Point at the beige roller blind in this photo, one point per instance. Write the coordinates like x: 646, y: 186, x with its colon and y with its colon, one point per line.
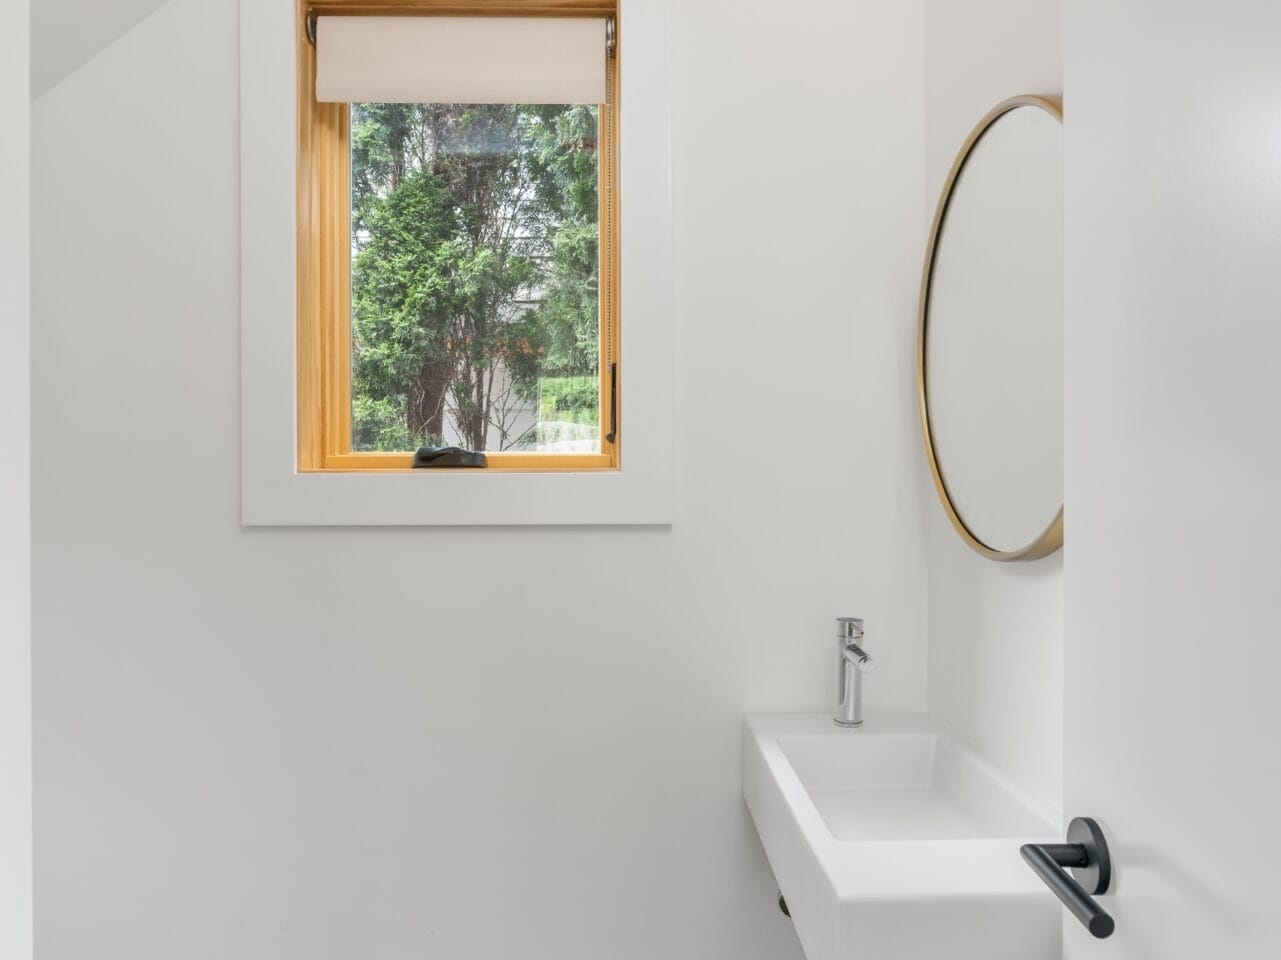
x: 460, y: 59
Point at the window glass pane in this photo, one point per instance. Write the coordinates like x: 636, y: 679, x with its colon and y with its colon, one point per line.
x: 475, y: 272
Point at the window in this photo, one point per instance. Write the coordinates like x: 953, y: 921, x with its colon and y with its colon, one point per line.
x: 282, y: 484
x: 457, y: 235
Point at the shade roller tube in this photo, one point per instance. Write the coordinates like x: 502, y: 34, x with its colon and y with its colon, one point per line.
x: 429, y: 59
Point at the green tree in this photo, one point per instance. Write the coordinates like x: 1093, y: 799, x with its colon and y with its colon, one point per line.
x: 405, y: 295
x: 475, y: 252
x: 565, y: 163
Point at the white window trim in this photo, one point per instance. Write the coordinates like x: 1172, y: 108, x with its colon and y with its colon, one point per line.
x: 274, y: 493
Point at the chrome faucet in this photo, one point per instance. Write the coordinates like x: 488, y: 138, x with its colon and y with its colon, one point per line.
x: 852, y: 662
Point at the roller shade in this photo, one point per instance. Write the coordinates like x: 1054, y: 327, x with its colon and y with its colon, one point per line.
x: 460, y: 59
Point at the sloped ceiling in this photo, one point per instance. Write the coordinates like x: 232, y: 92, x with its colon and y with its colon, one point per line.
x: 66, y: 34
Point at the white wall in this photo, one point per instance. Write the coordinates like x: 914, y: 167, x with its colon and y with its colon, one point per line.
x: 66, y: 33
x: 15, y: 490
x: 995, y: 630
x: 1173, y: 237
x: 337, y: 743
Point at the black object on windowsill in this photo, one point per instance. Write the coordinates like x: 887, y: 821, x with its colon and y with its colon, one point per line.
x: 438, y: 457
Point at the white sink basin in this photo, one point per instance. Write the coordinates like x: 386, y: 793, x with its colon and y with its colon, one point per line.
x: 894, y: 841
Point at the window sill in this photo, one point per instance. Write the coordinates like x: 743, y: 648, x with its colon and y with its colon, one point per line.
x: 378, y: 462
x: 382, y: 463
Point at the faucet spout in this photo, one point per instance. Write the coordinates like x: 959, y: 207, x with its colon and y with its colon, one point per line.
x: 859, y: 657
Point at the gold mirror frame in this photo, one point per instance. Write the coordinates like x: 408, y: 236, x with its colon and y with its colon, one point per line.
x: 1051, y: 538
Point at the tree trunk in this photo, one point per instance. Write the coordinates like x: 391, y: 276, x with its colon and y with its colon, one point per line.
x: 425, y: 409
x: 480, y: 418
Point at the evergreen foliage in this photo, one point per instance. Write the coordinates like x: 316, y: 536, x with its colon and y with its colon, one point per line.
x: 475, y: 253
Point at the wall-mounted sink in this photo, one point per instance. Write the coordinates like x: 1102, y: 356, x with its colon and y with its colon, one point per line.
x: 894, y: 841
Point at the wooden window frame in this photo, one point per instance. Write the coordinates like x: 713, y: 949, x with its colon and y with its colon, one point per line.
x: 324, y: 255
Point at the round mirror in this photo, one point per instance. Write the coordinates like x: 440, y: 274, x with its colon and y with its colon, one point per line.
x: 990, y: 351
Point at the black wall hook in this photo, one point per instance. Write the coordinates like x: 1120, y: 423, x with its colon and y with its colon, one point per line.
x: 1086, y: 855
